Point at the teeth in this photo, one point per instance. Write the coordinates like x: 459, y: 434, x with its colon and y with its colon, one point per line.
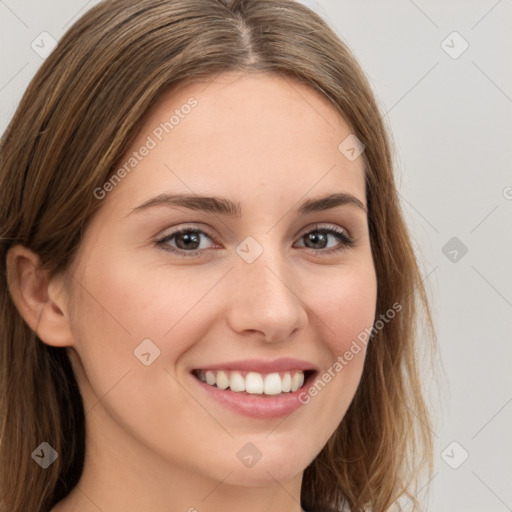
x: 272, y: 384
x: 297, y: 381
x: 254, y: 383
x: 236, y: 382
x: 286, y: 384
x: 222, y: 380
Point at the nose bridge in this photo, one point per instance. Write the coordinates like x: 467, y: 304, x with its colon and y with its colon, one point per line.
x: 266, y: 299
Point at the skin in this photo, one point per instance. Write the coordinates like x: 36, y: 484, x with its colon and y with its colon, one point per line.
x: 154, y: 439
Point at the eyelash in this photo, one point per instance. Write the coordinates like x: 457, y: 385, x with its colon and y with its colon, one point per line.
x: 346, y: 241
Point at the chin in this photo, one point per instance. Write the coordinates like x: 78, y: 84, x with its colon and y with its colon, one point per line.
x: 263, y: 475
x: 275, y: 464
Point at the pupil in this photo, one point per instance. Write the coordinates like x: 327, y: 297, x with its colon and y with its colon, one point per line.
x: 190, y: 239
x: 317, y: 239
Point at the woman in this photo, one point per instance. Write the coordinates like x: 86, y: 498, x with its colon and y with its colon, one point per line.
x: 209, y: 295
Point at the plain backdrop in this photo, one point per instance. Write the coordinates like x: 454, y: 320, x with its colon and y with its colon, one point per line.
x: 441, y: 73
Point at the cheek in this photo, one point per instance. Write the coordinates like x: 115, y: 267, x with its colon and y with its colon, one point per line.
x: 345, y: 317
x: 130, y: 303
x: 121, y: 305
x: 347, y: 306
x: 117, y: 309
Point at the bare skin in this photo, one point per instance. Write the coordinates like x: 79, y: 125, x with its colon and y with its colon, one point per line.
x: 155, y: 440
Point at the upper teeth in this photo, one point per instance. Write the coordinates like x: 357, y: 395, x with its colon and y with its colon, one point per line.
x: 253, y: 382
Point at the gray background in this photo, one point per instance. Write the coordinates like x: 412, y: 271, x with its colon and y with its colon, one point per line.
x: 450, y: 119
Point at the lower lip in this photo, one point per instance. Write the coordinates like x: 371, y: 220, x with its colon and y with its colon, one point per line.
x: 256, y: 406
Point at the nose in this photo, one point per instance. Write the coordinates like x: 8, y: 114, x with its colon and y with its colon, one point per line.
x: 265, y: 299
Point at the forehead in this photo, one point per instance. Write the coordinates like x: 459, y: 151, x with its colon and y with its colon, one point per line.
x: 244, y: 135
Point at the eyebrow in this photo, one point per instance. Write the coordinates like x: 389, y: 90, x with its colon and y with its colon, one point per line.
x: 223, y: 206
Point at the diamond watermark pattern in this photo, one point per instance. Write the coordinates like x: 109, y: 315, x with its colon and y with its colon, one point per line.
x: 45, y: 455
x: 249, y: 250
x: 249, y: 455
x: 454, y: 45
x: 454, y: 249
x: 43, y: 44
x: 454, y: 455
x: 146, y: 352
x: 351, y: 147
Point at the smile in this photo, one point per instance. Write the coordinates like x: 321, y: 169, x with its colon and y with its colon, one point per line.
x: 251, y: 382
x: 256, y: 388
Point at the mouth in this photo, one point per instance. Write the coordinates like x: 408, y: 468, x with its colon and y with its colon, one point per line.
x: 255, y: 383
x: 256, y: 388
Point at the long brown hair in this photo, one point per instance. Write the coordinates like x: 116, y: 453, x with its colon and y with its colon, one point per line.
x: 77, y: 118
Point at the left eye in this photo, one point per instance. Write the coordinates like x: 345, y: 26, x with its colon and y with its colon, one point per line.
x: 319, y: 238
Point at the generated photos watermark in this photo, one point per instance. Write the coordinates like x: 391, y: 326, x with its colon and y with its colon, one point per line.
x: 157, y: 135
x: 344, y: 359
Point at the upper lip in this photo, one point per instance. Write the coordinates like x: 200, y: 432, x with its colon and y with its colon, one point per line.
x: 262, y: 366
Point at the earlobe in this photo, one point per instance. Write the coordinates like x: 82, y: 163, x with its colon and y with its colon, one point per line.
x: 39, y: 299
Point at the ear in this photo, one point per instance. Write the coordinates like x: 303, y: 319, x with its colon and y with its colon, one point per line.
x: 41, y: 301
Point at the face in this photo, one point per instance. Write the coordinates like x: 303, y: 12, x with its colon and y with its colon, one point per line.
x: 257, y: 289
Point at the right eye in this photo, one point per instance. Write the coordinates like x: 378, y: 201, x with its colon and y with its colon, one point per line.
x: 186, y: 242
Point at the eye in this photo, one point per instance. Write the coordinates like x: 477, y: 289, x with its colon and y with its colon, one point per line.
x: 186, y: 241
x: 318, y: 240
x: 190, y: 241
